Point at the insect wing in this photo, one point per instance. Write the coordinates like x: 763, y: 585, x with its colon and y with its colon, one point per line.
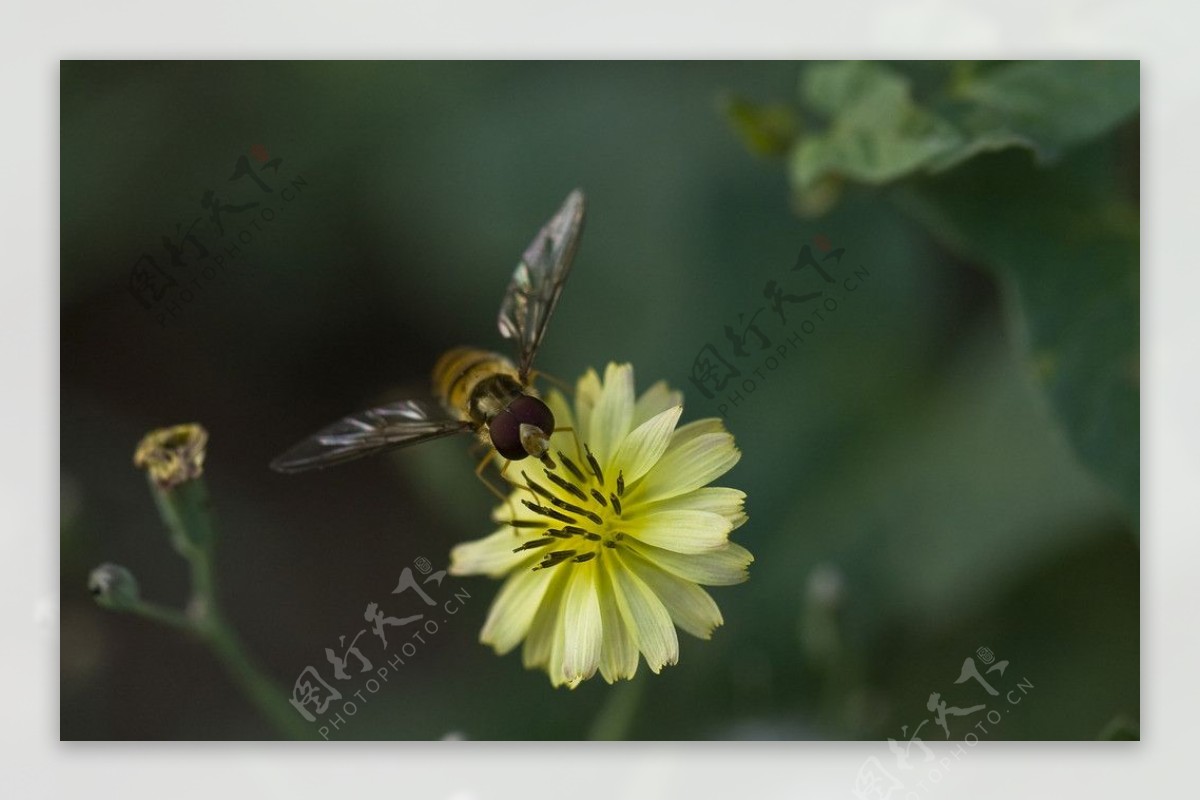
x: 372, y: 431
x: 538, y: 280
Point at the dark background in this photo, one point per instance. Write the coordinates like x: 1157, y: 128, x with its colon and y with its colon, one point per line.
x: 906, y: 453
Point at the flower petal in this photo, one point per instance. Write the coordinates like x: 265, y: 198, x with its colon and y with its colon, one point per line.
x: 687, y: 433
x: 716, y: 568
x: 581, y: 623
x: 729, y: 503
x: 645, y: 445
x: 619, y: 655
x: 563, y: 418
x: 587, y: 395
x: 544, y: 626
x: 692, y: 609
x: 687, y: 467
x: 682, y: 531
x: 654, y: 401
x: 515, y: 606
x: 493, y: 555
x: 613, y: 412
x: 513, y: 509
x: 558, y: 641
x: 645, y: 615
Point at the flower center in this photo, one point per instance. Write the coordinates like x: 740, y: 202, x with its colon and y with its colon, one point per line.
x: 582, y: 513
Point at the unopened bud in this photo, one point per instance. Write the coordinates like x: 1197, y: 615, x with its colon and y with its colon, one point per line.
x: 113, y: 587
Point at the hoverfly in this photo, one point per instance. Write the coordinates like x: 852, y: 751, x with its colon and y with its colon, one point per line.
x: 478, y: 391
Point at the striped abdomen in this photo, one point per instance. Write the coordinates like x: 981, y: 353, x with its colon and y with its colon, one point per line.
x: 475, y: 384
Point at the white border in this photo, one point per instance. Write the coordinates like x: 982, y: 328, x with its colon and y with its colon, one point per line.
x: 33, y: 36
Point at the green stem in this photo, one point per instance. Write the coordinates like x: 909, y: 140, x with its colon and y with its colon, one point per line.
x: 161, y: 614
x: 186, y: 512
x: 265, y: 694
x: 616, y: 716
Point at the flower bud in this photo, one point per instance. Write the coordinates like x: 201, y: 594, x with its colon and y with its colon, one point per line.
x: 113, y: 587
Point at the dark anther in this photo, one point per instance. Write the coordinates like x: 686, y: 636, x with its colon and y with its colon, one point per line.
x: 523, y: 523
x: 583, y: 557
x: 567, y: 485
x: 570, y: 507
x: 536, y: 487
x: 553, y: 558
x: 538, y: 543
x: 609, y: 544
x: 542, y: 510
x: 574, y: 530
x: 594, y: 465
x: 579, y: 476
x: 593, y: 537
x: 620, y: 482
x: 596, y: 494
x: 616, y: 503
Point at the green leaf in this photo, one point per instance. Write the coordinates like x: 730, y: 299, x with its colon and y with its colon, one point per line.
x: 1067, y: 245
x: 1045, y: 106
x: 877, y: 132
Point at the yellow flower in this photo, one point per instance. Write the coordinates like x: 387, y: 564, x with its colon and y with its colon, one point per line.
x: 608, y: 549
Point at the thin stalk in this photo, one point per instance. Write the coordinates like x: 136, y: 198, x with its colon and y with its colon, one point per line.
x: 186, y: 513
x: 616, y: 717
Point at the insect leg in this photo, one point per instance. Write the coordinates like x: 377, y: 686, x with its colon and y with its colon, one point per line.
x: 558, y: 382
x: 492, y: 454
x: 532, y: 495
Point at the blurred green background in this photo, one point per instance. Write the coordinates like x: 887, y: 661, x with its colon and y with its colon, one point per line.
x: 949, y: 462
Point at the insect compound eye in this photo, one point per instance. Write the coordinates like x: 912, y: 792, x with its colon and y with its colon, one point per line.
x: 523, y: 413
x: 505, y: 430
x: 531, y: 411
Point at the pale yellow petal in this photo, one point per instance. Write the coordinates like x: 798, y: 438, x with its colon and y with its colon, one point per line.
x: 613, y: 412
x: 687, y: 433
x: 654, y: 401
x: 719, y: 567
x: 692, y: 609
x: 492, y: 556
x: 581, y: 623
x: 513, y: 509
x: 544, y: 626
x: 558, y: 644
x: 562, y: 440
x: 515, y: 606
x: 729, y: 503
x: 682, y: 531
x: 587, y: 394
x: 645, y: 445
x: 619, y: 657
x: 646, y: 617
x: 687, y: 467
